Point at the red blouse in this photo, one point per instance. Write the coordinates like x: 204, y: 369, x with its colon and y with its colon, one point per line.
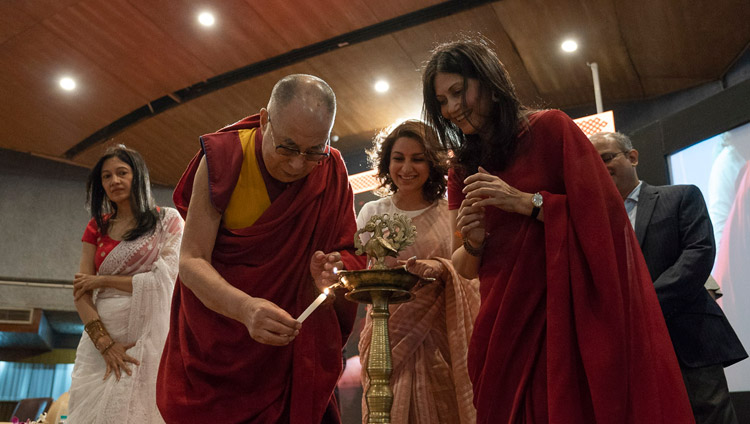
x: 104, y: 244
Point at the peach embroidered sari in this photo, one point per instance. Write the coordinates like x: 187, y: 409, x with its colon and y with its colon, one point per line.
x: 430, y: 334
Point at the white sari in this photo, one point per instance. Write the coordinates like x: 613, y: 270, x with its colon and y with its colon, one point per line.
x: 141, y: 318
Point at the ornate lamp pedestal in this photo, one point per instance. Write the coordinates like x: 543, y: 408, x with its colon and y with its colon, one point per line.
x: 379, y: 287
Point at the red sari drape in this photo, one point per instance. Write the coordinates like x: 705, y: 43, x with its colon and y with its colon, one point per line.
x: 212, y: 370
x: 569, y: 329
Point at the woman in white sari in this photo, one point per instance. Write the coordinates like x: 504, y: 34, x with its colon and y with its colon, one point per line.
x: 123, y: 292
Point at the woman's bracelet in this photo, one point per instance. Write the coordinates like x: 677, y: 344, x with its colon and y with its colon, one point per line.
x: 111, y: 343
x: 474, y: 251
x: 95, y: 329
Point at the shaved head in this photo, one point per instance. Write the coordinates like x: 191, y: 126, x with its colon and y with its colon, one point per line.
x: 299, y: 117
x: 309, y: 92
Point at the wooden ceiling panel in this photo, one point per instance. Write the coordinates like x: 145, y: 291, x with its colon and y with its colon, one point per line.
x: 301, y: 22
x: 419, y: 41
x: 42, y: 9
x: 352, y: 72
x: 169, y: 140
x: 168, y: 155
x: 13, y: 21
x: 29, y: 126
x: 210, y: 113
x: 162, y: 147
x: 240, y: 36
x: 389, y: 9
x: 119, y: 39
x: 564, y: 79
x: 683, y: 39
x: 127, y: 53
x: 31, y: 67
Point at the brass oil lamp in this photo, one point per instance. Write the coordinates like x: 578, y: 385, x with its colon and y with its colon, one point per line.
x: 381, y: 287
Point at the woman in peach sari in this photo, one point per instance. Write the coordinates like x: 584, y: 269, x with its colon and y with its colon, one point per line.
x: 429, y: 335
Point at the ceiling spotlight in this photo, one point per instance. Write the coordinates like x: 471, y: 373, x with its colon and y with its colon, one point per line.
x: 67, y: 83
x: 382, y: 86
x: 569, y: 46
x: 206, y: 19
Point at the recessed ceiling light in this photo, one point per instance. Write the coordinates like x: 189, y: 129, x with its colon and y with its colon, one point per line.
x: 67, y: 83
x: 569, y: 46
x: 382, y: 86
x: 206, y: 19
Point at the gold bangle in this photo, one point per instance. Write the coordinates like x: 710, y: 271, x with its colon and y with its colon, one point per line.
x: 95, y: 329
x: 111, y: 343
x: 94, y: 326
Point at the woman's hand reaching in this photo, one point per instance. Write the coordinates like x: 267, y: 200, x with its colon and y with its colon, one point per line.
x: 424, y: 268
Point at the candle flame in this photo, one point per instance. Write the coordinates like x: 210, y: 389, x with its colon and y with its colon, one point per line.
x: 335, y: 270
x: 325, y: 291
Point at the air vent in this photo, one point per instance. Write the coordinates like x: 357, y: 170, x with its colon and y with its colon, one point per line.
x: 16, y: 316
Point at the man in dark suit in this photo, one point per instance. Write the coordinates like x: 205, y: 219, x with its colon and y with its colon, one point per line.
x: 676, y: 237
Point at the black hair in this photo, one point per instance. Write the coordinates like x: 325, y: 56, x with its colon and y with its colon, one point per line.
x: 141, y: 203
x: 472, y: 58
x: 437, y: 159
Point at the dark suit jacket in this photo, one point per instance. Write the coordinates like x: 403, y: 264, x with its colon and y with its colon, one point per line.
x: 676, y: 236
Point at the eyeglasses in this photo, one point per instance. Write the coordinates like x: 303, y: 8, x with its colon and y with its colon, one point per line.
x: 310, y: 155
x: 607, y: 157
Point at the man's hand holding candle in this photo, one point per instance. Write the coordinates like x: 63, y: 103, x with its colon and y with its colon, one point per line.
x: 269, y: 324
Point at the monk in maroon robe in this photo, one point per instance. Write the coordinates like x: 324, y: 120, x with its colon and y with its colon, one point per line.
x: 269, y: 214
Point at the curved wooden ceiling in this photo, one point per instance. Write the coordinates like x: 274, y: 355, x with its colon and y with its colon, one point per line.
x: 130, y: 55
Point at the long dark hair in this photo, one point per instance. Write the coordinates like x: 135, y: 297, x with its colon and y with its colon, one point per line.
x: 141, y: 203
x: 472, y: 58
x: 380, y: 157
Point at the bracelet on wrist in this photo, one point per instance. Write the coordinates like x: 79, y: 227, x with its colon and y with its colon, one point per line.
x: 109, y: 346
x: 95, y: 329
x: 473, y: 251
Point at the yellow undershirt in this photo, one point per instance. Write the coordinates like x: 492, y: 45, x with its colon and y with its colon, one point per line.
x: 250, y: 198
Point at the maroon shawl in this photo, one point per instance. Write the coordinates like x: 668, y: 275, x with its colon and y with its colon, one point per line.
x: 211, y: 369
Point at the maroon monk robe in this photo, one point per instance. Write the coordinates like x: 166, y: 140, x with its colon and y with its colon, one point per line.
x: 569, y: 329
x: 211, y: 369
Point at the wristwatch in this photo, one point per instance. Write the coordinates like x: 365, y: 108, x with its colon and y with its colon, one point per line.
x: 536, y: 201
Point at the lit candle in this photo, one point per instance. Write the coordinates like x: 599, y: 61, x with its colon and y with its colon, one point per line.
x: 318, y: 300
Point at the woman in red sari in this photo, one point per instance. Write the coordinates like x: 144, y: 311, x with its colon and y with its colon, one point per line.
x: 569, y: 328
